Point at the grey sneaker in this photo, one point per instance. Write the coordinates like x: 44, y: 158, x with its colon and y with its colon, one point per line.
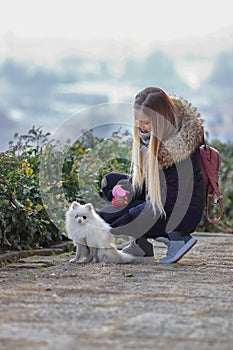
x: 136, y: 250
x: 162, y: 240
x: 176, y: 250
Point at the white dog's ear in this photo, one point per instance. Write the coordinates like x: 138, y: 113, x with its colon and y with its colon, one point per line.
x: 74, y: 205
x: 89, y: 206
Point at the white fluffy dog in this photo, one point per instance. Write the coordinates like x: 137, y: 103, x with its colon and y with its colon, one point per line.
x: 92, y: 237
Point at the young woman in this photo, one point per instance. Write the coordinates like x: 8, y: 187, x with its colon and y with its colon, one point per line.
x: 166, y: 188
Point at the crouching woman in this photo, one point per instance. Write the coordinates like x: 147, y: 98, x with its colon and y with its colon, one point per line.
x: 166, y: 187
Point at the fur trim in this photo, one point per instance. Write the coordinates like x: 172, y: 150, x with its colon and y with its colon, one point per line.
x: 188, y: 136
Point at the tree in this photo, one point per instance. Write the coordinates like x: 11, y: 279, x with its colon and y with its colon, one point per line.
x: 222, y: 74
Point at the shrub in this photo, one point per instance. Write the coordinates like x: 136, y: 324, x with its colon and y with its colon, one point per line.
x: 24, y: 222
x: 25, y: 215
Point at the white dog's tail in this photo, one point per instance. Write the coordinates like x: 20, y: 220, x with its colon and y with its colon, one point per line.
x: 128, y: 258
x: 115, y: 256
x: 125, y: 257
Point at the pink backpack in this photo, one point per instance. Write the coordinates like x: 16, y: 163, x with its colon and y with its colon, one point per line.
x: 210, y: 165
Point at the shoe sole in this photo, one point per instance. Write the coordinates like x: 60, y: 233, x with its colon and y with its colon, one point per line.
x: 184, y: 250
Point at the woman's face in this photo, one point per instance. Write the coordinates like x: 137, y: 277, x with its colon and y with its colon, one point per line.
x: 142, y: 121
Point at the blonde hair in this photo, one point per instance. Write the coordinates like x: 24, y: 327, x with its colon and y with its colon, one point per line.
x: 155, y: 103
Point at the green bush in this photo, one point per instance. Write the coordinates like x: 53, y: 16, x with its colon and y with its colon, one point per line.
x: 26, y: 200
x: 24, y: 223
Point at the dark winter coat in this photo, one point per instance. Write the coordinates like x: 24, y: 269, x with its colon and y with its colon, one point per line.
x: 183, y: 192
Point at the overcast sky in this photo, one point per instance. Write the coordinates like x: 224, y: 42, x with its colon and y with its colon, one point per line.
x: 45, y: 30
x: 142, y: 21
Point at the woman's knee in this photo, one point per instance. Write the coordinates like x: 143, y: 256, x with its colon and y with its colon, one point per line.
x: 109, y: 181
x: 104, y: 182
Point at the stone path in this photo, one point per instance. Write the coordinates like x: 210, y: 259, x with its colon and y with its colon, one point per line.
x: 47, y: 303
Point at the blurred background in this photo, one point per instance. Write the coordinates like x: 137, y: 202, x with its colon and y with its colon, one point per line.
x: 60, y: 57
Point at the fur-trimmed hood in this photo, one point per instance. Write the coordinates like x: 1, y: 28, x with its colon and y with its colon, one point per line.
x: 187, y: 137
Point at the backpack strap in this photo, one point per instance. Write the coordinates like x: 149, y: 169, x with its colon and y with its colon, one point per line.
x: 217, y: 198
x: 219, y: 201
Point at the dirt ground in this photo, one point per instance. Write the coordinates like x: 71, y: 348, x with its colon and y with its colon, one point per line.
x: 47, y: 303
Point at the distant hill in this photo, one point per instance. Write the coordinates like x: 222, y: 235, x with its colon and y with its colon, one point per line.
x: 44, y: 94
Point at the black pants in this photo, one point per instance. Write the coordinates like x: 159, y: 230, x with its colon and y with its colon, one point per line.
x: 137, y: 218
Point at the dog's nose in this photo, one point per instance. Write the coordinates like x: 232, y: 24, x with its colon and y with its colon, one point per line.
x: 79, y: 221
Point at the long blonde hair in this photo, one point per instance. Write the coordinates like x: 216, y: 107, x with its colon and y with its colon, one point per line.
x: 155, y: 103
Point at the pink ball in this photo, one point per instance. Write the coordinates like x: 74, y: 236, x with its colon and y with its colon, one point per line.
x: 118, y: 191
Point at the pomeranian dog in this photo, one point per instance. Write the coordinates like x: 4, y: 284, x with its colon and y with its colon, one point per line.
x: 92, y: 237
